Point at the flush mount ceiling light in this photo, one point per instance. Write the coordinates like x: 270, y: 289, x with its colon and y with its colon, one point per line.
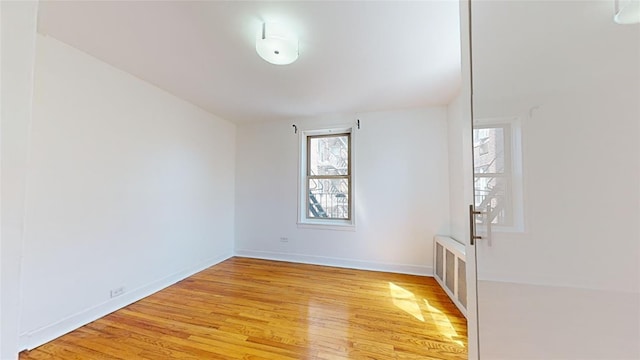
x: 627, y: 12
x: 276, y: 44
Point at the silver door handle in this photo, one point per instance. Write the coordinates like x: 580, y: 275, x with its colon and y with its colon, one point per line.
x: 472, y: 225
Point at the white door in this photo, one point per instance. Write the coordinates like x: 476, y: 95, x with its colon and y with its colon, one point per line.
x: 556, y: 115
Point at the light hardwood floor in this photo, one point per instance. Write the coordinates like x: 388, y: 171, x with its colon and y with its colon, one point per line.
x: 257, y: 309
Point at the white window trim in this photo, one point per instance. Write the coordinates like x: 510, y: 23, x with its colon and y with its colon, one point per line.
x: 517, y: 188
x: 334, y: 224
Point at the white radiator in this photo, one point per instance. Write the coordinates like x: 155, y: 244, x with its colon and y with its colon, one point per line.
x: 451, y: 270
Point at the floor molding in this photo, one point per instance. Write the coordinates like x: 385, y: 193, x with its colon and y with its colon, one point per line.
x: 337, y: 262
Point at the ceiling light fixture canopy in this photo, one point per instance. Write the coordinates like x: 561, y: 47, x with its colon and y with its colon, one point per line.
x: 628, y: 13
x: 277, y: 44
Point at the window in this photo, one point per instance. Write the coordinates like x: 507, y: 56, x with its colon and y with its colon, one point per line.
x: 326, y: 189
x: 497, y: 170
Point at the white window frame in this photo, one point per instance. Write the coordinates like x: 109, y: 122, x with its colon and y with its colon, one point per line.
x: 326, y: 224
x: 514, y: 125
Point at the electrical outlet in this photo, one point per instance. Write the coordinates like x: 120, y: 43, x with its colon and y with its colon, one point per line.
x: 284, y: 239
x: 117, y: 292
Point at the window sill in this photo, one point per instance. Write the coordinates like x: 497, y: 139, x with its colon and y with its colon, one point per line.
x: 339, y: 226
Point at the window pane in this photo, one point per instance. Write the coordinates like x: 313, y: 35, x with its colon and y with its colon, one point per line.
x: 328, y: 198
x: 329, y: 155
x: 494, y: 191
x: 489, y: 150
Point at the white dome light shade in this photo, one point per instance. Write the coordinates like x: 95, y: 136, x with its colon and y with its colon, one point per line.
x: 629, y: 13
x: 276, y: 44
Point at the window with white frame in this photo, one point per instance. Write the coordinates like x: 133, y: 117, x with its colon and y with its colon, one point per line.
x: 326, y: 189
x: 497, y: 172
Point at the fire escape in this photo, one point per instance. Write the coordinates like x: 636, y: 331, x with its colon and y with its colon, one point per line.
x: 328, y: 198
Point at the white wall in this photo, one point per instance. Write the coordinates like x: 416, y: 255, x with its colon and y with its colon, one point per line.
x: 18, y: 21
x: 127, y: 186
x: 401, y: 192
x: 568, y: 287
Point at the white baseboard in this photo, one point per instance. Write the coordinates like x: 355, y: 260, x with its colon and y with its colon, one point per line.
x: 338, y: 262
x: 35, y: 338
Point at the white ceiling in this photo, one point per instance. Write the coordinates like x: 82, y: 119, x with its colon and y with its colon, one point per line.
x: 354, y: 56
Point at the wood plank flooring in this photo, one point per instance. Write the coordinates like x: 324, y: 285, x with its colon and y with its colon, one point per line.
x: 257, y: 309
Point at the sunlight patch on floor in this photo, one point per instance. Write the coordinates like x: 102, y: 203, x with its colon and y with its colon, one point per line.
x: 406, y: 301
x: 443, y: 323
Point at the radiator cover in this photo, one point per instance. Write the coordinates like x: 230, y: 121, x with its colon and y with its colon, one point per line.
x: 450, y: 270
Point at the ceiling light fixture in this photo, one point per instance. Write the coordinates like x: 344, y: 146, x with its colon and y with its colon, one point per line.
x: 276, y: 44
x: 629, y: 13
